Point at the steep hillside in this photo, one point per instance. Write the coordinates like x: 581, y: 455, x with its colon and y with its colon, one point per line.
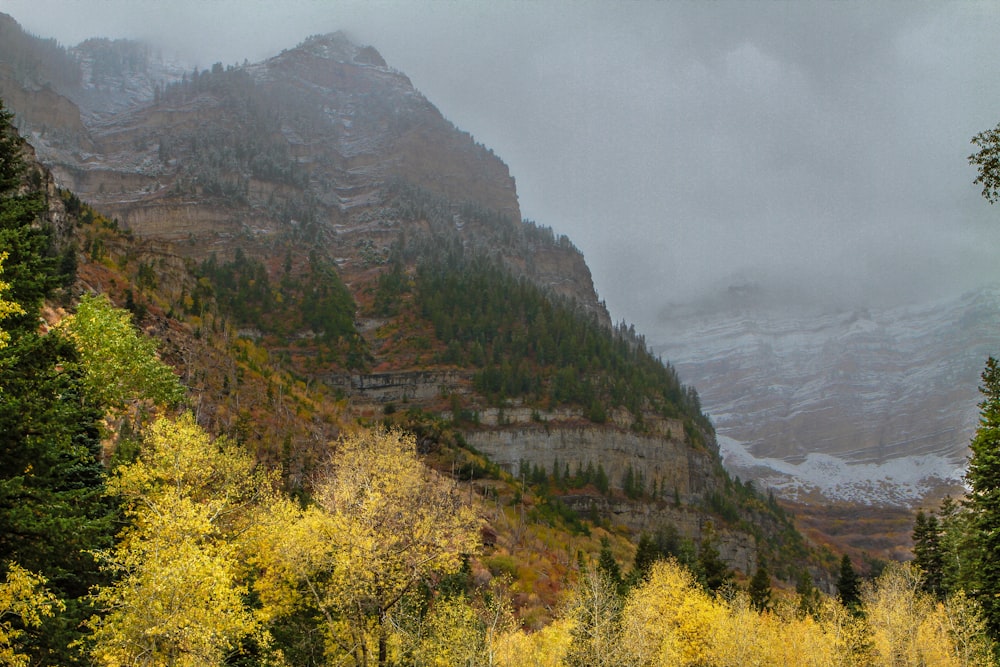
x: 316, y: 246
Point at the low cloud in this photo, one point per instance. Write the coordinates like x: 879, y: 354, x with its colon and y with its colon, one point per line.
x: 683, y: 146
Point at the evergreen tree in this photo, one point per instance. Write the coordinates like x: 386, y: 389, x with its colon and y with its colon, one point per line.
x: 31, y: 265
x: 646, y: 554
x: 760, y: 587
x: 53, y: 511
x: 927, y: 553
x: 714, y: 573
x: 607, y: 566
x: 956, y: 546
x: 983, y: 479
x: 848, y: 584
x: 810, y: 599
x: 601, y: 480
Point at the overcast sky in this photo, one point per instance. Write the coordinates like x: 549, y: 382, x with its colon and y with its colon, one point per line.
x: 683, y: 146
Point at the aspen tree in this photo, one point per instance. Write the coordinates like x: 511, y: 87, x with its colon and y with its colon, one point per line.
x: 382, y: 523
x: 24, y: 602
x: 178, y: 597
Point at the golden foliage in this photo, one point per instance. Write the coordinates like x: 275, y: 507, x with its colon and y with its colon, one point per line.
x: 545, y: 648
x: 24, y: 601
x: 178, y: 597
x: 908, y: 627
x: 382, y: 523
x: 7, y: 308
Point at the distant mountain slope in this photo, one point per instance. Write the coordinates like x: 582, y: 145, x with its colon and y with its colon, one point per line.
x: 872, y: 406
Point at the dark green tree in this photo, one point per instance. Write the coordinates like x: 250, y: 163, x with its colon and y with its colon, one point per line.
x: 927, y: 554
x: 607, y: 566
x: 983, y: 500
x: 760, y: 587
x: 31, y: 267
x: 646, y: 553
x: 810, y: 599
x: 848, y: 584
x: 606, y: 563
x: 53, y: 511
x: 601, y: 480
x: 957, y: 553
x: 712, y: 570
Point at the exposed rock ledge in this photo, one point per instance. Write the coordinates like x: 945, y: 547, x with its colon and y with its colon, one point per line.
x: 683, y: 474
x: 666, y: 462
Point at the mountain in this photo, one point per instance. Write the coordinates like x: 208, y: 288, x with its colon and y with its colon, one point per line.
x: 316, y: 246
x: 314, y: 145
x: 869, y: 406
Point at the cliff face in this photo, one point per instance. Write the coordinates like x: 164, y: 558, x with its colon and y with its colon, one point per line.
x: 679, y: 478
x: 666, y: 461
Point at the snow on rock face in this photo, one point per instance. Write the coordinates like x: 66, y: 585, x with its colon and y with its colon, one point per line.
x: 905, y: 481
x: 866, y: 406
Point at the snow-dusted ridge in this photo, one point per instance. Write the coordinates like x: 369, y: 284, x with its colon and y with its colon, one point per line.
x: 905, y: 481
x: 867, y: 405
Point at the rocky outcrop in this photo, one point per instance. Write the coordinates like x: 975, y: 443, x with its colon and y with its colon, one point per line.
x: 666, y: 462
x: 681, y: 475
x: 402, y: 387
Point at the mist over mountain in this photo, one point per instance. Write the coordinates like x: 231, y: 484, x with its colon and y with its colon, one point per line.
x: 823, y: 258
x: 680, y: 145
x: 871, y: 405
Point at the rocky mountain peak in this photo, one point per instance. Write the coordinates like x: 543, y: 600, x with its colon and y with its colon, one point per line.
x: 337, y: 46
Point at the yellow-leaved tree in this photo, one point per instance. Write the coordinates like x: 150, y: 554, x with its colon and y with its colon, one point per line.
x: 24, y: 601
x: 909, y: 627
x: 119, y: 364
x: 381, y: 524
x: 669, y: 619
x: 178, y: 596
x: 7, y: 308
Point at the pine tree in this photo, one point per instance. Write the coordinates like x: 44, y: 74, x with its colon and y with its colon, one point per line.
x: 608, y: 566
x: 760, y: 587
x: 646, y: 554
x: 713, y: 571
x: 601, y: 480
x: 53, y: 511
x: 983, y: 478
x: 927, y: 553
x: 848, y: 584
x: 810, y: 599
x: 957, y: 554
x: 31, y: 264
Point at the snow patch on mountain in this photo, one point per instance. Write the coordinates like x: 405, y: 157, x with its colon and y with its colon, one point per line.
x: 862, y: 404
x: 905, y: 481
